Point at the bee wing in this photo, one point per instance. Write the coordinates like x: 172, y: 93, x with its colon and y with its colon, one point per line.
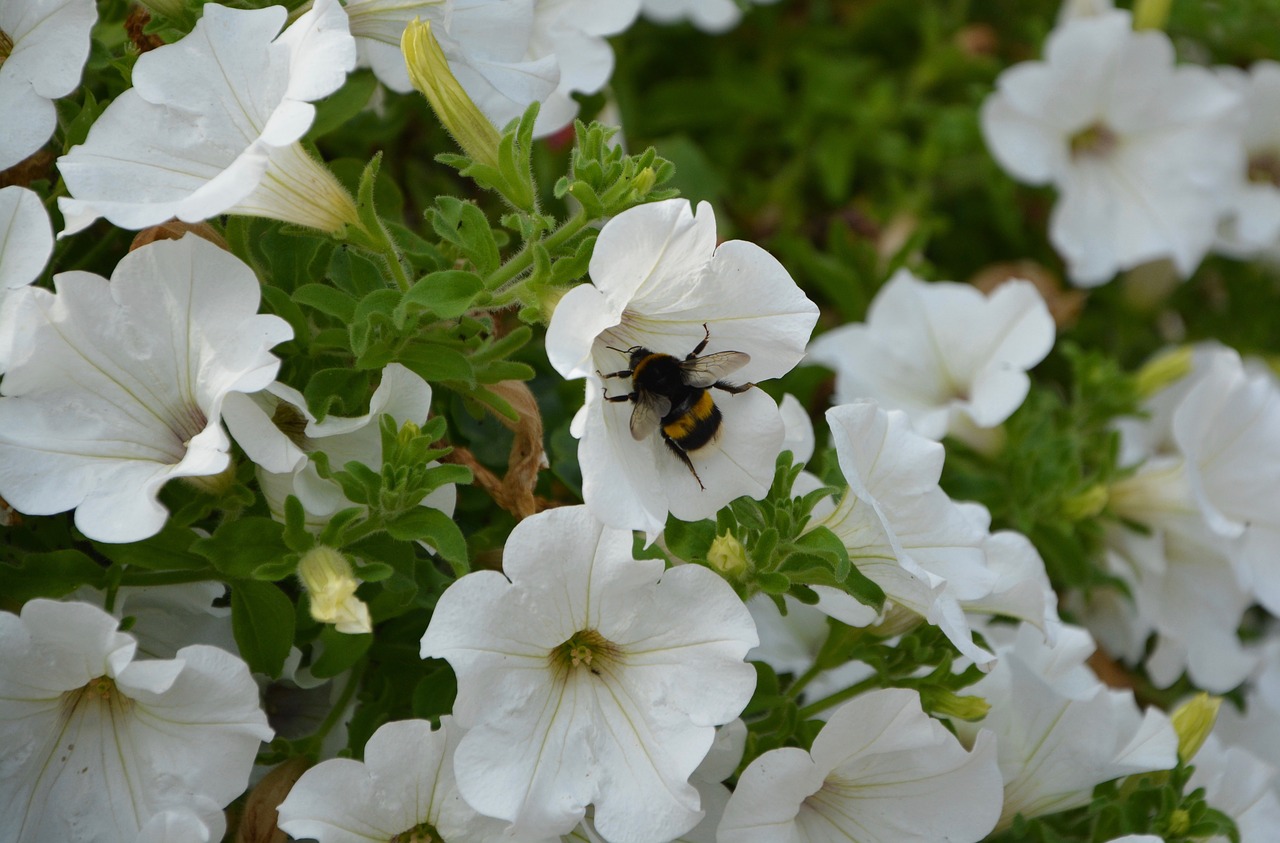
x: 648, y: 413
x: 703, y: 372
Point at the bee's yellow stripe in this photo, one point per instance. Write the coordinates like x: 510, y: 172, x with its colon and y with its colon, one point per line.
x: 635, y: 372
x: 687, y: 423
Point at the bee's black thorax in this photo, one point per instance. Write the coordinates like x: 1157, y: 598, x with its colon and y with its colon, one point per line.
x: 693, y: 419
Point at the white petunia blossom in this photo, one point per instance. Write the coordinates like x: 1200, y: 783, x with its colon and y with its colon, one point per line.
x: 1205, y: 456
x: 658, y: 278
x: 714, y: 16
x: 100, y: 746
x: 1059, y: 731
x: 26, y: 242
x: 278, y: 432
x: 1252, y: 222
x: 901, y: 529
x: 574, y: 31
x: 116, y: 387
x: 589, y: 678
x: 1143, y: 152
x: 1242, y: 786
x: 952, y: 358
x: 880, y: 771
x: 166, y: 618
x: 404, y: 785
x: 212, y: 124
x: 43, y: 48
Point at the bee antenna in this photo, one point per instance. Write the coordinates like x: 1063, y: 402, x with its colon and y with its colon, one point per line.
x: 620, y: 351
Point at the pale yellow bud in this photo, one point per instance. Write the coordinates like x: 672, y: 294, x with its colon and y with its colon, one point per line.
x: 727, y: 555
x: 331, y: 586
x: 429, y: 71
x: 1087, y: 504
x: 1151, y: 14
x: 1193, y: 721
x: 1162, y: 371
x: 959, y: 706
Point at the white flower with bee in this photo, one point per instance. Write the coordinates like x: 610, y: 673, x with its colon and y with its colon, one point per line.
x: 671, y: 335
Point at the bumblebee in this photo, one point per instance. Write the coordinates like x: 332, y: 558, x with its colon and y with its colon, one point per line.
x: 672, y: 396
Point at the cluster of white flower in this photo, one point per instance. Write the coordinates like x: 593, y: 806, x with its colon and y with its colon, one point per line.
x: 1152, y: 159
x: 605, y: 687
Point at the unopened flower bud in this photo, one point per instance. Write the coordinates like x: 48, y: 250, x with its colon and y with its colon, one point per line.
x: 331, y: 586
x: 1162, y: 371
x: 644, y: 181
x: 1193, y: 721
x: 1150, y: 14
x: 950, y: 704
x: 1087, y: 504
x: 429, y: 71
x: 727, y: 555
x: 408, y: 432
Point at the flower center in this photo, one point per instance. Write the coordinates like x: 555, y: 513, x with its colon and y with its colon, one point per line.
x: 420, y: 833
x: 586, y: 650
x: 1097, y: 141
x: 6, y: 45
x: 100, y: 690
x: 290, y: 421
x: 1264, y: 168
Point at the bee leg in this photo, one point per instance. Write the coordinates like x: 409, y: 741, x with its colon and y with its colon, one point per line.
x: 631, y: 396
x: 684, y: 458
x: 706, y: 338
x: 734, y: 389
x: 621, y: 373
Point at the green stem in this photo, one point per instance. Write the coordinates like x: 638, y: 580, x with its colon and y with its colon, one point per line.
x: 149, y: 578
x: 804, y: 679
x: 838, y: 697
x: 380, y: 243
x: 505, y: 281
x: 339, y: 707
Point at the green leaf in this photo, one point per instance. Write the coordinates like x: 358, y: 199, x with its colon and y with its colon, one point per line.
x: 338, y: 108
x: 466, y: 226
x: 53, y: 574
x: 168, y: 550
x: 327, y: 300
x: 435, y: 363
x: 436, y: 529
x: 238, y: 548
x: 447, y: 294
x: 262, y: 620
x: 340, y: 651
x: 329, y: 387
x: 689, y: 540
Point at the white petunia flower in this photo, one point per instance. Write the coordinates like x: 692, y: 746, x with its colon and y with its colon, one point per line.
x: 26, y: 241
x: 1059, y: 731
x: 166, y: 618
x: 43, y: 48
x: 212, y: 124
x: 405, y: 785
x: 278, y: 432
x: 714, y: 16
x: 100, y: 746
x: 1242, y: 786
x: 1206, y: 454
x: 1252, y: 222
x: 658, y: 278
x: 880, y: 771
x: 574, y: 31
x: 949, y: 356
x: 488, y: 44
x: 589, y: 678
x: 116, y: 387
x: 1143, y: 152
x: 1022, y: 589
x: 901, y: 529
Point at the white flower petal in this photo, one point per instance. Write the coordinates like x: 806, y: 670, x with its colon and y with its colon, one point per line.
x: 26, y: 237
x: 119, y: 386
x: 199, y: 132
x: 50, y: 43
x: 110, y: 742
x: 623, y: 733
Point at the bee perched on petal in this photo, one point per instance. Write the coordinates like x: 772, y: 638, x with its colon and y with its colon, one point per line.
x: 672, y: 395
